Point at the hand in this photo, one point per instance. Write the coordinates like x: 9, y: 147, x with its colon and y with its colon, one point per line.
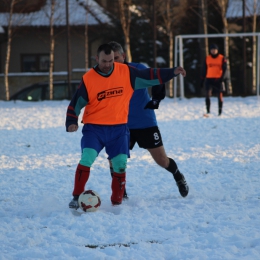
x: 73, y: 128
x: 180, y: 70
x: 152, y: 104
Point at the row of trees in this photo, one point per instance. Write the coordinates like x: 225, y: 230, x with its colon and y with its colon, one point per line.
x: 147, y: 29
x: 170, y: 16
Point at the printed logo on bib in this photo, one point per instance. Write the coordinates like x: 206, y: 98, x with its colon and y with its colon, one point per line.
x: 113, y: 92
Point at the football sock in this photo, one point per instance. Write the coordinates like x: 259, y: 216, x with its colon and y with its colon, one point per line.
x: 112, y: 172
x: 118, y: 188
x: 208, y: 105
x: 178, y: 177
x: 220, y: 104
x: 172, y: 166
x: 81, y: 177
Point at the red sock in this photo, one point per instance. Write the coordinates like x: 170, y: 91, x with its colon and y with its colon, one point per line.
x: 81, y: 177
x: 118, y: 188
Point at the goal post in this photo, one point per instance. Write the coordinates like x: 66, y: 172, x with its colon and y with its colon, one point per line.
x: 178, y: 53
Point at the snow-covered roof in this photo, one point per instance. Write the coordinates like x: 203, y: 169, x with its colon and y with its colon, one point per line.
x: 235, y: 8
x: 77, y: 15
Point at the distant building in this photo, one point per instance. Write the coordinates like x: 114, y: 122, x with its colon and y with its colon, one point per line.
x: 235, y: 9
x: 30, y: 42
x: 31, y: 34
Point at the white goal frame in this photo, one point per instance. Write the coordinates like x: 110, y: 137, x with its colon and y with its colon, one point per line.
x: 178, y: 48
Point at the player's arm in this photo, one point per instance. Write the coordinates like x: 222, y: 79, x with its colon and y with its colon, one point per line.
x: 78, y: 101
x: 158, y: 91
x: 150, y: 77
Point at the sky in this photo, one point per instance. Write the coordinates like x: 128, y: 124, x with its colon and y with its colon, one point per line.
x: 219, y: 156
x: 235, y: 8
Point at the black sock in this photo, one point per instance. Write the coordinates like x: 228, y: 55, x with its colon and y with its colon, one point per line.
x: 220, y: 104
x: 208, y: 105
x: 173, y: 168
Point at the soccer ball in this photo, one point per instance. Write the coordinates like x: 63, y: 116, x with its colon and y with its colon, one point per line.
x: 89, y: 201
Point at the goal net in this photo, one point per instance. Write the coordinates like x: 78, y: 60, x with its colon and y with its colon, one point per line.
x: 181, y: 42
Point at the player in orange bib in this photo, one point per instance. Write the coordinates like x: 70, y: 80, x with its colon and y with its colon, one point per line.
x: 213, y: 73
x: 105, y: 92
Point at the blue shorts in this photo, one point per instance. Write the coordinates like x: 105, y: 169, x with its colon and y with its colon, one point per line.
x: 115, y: 139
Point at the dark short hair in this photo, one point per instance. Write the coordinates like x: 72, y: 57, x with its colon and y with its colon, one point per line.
x: 213, y: 46
x: 106, y: 48
x: 116, y: 47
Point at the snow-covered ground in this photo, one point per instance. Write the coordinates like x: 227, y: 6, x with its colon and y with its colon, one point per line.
x: 219, y: 156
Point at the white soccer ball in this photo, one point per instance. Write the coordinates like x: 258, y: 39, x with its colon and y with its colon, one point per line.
x: 89, y: 201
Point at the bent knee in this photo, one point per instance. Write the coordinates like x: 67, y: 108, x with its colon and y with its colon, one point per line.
x: 119, y: 163
x: 160, y: 156
x: 88, y: 157
x: 163, y: 161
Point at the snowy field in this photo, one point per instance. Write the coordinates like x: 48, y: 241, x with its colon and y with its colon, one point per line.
x: 219, y: 156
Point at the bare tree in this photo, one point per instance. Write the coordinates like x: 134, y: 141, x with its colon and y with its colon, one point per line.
x: 86, y: 41
x: 223, y: 5
x: 8, y: 50
x: 204, y: 12
x: 90, y: 11
x: 52, y: 45
x: 87, y: 8
x: 125, y: 18
x: 11, y: 7
x: 254, y: 48
x: 171, y: 15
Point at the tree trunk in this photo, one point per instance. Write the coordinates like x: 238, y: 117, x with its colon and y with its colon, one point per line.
x: 86, y: 42
x: 125, y: 23
x: 244, y: 50
x: 254, y: 67
x: 68, y: 49
x: 52, y: 43
x: 168, y: 25
x: 154, y: 35
x: 171, y: 39
x: 226, y: 53
x: 171, y: 15
x: 223, y: 4
x: 8, y: 51
x: 205, y: 25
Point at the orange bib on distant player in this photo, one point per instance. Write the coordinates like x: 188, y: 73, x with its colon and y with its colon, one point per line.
x: 214, y: 66
x: 109, y: 96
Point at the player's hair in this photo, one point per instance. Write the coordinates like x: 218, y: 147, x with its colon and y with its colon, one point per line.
x: 213, y: 46
x: 116, y: 47
x: 104, y: 47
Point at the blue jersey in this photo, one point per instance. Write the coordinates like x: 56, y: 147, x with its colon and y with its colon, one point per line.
x: 139, y: 117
